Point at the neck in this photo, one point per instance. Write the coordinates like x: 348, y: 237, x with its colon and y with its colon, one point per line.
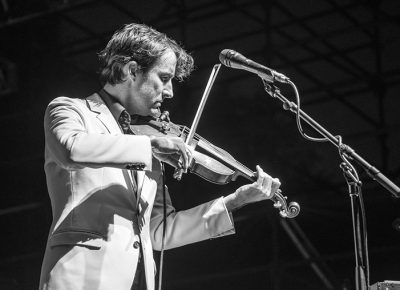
x: 120, y: 93
x: 116, y: 92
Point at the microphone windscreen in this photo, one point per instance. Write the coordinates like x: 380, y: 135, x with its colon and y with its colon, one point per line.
x: 225, y: 56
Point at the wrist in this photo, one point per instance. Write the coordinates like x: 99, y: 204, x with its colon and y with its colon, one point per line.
x: 232, y: 202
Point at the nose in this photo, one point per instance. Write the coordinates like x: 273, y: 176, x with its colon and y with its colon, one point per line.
x: 168, y: 92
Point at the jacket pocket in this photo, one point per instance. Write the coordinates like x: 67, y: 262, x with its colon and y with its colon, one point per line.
x: 77, y: 237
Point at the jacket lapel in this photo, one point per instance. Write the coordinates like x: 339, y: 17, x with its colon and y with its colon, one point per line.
x: 97, y: 105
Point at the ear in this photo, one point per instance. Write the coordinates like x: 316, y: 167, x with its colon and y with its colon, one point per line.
x: 131, y: 69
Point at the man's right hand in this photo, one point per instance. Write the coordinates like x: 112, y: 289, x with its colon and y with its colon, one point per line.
x: 171, y: 150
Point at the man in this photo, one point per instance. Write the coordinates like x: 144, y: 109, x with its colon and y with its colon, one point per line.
x: 106, y: 187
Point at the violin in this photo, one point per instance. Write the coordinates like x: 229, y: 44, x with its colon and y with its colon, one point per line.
x: 215, y: 165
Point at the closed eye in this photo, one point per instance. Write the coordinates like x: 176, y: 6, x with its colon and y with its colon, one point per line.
x: 166, y: 78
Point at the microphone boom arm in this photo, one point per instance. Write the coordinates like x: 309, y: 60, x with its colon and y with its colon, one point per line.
x: 372, y: 171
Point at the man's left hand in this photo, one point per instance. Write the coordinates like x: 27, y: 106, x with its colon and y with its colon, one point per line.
x: 264, y: 188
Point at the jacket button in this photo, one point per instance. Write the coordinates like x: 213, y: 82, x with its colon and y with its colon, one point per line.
x: 136, y: 245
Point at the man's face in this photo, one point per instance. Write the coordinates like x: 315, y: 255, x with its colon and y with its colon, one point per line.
x: 149, y: 89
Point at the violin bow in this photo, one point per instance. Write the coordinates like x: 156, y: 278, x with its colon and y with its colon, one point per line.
x: 214, y: 72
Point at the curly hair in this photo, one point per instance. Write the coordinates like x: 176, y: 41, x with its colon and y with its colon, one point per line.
x: 144, y: 45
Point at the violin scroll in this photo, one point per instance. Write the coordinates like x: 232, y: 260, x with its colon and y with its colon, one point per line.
x: 280, y: 203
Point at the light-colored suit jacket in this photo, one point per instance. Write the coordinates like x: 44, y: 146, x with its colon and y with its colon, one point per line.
x: 96, y: 222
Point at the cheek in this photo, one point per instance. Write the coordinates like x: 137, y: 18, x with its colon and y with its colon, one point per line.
x: 153, y: 87
x: 158, y: 87
x: 144, y: 92
x: 155, y: 84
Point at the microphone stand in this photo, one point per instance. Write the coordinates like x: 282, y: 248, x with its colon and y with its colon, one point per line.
x: 354, y: 184
x: 359, y: 226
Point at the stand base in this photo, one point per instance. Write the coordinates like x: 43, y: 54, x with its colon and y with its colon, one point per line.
x: 386, y: 285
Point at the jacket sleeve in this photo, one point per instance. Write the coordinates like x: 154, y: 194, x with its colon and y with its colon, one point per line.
x: 73, y: 145
x: 206, y: 221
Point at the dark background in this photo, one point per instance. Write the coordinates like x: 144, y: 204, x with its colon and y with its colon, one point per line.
x: 342, y: 55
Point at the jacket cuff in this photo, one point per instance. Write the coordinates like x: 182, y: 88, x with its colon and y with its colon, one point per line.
x: 219, y: 222
x: 144, y: 156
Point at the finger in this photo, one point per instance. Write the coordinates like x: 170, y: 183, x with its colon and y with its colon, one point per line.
x: 260, y: 176
x: 264, y: 180
x: 267, y: 184
x: 180, y: 164
x: 180, y: 148
x: 177, y: 174
x: 190, y: 152
x: 275, y: 185
x: 184, y: 157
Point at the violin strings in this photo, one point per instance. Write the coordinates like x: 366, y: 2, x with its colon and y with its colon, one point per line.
x: 197, y: 137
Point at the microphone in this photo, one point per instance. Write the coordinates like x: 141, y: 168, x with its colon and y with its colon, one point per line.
x: 233, y: 59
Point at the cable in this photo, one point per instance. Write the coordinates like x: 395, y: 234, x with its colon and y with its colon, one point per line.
x: 164, y: 227
x: 298, y: 119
